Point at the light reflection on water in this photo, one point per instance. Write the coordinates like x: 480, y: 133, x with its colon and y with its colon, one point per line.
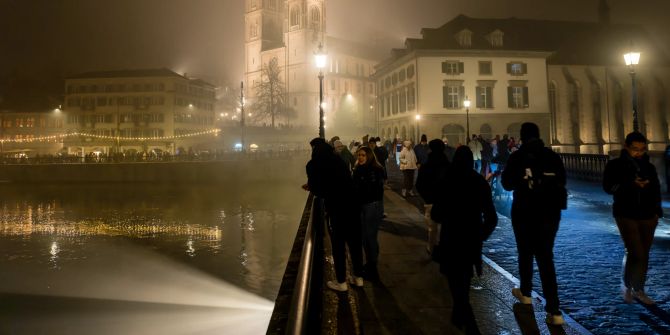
x: 240, y: 235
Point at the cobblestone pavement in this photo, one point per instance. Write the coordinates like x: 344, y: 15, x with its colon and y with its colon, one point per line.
x: 588, y: 256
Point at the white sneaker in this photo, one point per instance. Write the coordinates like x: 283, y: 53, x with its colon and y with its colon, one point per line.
x: 356, y: 281
x: 404, y: 192
x: 340, y: 287
x: 643, y: 297
x: 555, y: 320
x: 411, y: 193
x: 516, y: 292
x: 627, y: 294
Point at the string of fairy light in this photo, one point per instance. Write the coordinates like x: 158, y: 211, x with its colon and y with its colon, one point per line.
x: 107, y: 137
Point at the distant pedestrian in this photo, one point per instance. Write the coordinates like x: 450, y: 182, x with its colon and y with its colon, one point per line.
x: 408, y: 167
x: 536, y: 175
x: 369, y: 193
x: 476, y: 148
x: 633, y: 181
x: 421, y: 151
x: 382, y: 155
x: 464, y: 207
x: 329, y: 179
x: 431, y: 175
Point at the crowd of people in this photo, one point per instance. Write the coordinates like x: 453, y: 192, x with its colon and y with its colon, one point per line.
x: 455, y: 185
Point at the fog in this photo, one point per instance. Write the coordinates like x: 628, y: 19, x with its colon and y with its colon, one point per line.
x: 205, y: 37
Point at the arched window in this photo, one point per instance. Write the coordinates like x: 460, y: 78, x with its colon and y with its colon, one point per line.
x: 295, y: 16
x: 617, y: 125
x: 403, y: 134
x: 315, y: 18
x: 513, y: 130
x: 454, y: 133
x: 574, y: 97
x: 485, y: 131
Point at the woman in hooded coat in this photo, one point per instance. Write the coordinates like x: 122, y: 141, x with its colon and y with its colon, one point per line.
x: 465, y: 209
x: 408, y: 167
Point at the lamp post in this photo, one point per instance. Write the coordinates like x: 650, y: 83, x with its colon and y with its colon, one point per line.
x: 633, y: 58
x: 417, y: 117
x: 320, y: 59
x: 242, y: 115
x: 466, y: 104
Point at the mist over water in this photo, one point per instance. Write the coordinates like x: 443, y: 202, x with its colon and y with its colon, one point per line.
x: 144, y: 259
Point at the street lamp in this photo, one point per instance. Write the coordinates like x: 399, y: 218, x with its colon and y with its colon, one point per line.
x: 466, y: 104
x: 633, y: 58
x: 320, y: 58
x: 417, y: 117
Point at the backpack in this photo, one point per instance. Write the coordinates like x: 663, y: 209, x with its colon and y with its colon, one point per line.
x: 544, y: 185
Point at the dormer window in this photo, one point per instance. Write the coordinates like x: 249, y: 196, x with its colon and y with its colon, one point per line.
x: 464, y: 38
x: 496, y: 38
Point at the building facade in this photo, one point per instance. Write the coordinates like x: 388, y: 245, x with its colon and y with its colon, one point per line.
x: 137, y: 111
x: 568, y: 77
x: 290, y: 32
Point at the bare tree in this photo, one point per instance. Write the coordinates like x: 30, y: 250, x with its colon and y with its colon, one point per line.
x: 270, y: 93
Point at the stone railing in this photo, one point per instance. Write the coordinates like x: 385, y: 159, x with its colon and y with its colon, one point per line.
x: 585, y: 166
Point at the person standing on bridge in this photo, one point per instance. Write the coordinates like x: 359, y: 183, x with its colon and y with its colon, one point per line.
x: 369, y: 192
x: 431, y: 174
x: 537, y: 176
x: 633, y: 182
x: 329, y: 178
x: 464, y: 207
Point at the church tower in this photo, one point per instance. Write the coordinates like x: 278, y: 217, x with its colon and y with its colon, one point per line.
x: 289, y: 30
x: 263, y: 31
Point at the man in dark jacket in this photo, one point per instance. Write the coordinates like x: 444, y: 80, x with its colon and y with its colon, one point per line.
x: 382, y: 155
x: 537, y: 177
x: 633, y: 181
x: 464, y: 207
x: 421, y: 151
x: 430, y: 175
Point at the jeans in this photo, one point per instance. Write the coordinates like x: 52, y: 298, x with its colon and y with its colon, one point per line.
x: 637, y: 236
x: 371, y: 217
x: 535, y: 235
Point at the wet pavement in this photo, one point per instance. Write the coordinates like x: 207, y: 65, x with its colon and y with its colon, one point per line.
x: 413, y: 298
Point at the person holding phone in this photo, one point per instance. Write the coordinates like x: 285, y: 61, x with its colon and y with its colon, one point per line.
x: 634, y: 183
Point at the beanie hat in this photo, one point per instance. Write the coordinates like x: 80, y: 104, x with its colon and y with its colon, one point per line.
x: 529, y: 130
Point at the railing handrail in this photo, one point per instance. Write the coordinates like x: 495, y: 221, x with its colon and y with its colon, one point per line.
x: 302, y: 282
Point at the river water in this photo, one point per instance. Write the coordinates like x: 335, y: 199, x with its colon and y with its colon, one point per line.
x: 142, y: 258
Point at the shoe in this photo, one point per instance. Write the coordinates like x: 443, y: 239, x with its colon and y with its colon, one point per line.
x: 340, y: 287
x: 555, y: 320
x: 516, y: 292
x: 627, y: 293
x: 643, y: 297
x: 411, y: 193
x: 356, y: 281
x: 404, y: 193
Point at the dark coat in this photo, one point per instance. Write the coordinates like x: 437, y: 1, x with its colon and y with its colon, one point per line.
x: 631, y: 201
x: 381, y: 154
x: 368, y: 183
x: 465, y: 209
x: 421, y: 152
x: 514, y: 178
x: 328, y: 177
x: 431, y: 174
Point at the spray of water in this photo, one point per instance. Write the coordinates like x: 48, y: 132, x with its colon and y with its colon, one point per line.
x: 123, y: 289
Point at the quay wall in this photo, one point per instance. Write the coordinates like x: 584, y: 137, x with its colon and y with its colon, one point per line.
x: 201, y: 172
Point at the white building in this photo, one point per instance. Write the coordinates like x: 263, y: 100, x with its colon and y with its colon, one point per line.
x: 568, y: 77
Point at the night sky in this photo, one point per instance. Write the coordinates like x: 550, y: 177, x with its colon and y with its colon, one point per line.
x: 205, y: 37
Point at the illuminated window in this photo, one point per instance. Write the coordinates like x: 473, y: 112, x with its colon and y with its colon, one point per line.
x: 517, y: 95
x: 517, y: 68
